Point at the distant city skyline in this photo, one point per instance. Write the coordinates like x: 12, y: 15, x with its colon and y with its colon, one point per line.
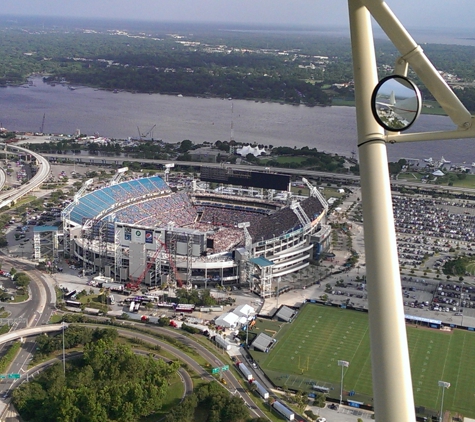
x: 423, y: 14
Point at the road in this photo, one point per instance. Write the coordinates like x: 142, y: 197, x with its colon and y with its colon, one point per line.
x: 6, y: 198
x: 36, y: 311
x: 233, y: 383
x: 39, y: 308
x: 3, y: 177
x: 347, y: 178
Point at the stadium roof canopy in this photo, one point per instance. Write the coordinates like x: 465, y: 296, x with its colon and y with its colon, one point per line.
x: 42, y: 229
x: 261, y: 262
x: 100, y: 200
x: 263, y: 342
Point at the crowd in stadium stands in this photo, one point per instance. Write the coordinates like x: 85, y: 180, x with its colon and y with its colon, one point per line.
x: 219, y: 220
x: 228, y: 217
x: 93, y: 203
x: 160, y: 211
x: 440, y: 218
x: 284, y: 220
x: 226, y: 238
x: 312, y: 207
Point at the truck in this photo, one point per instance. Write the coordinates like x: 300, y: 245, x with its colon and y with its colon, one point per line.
x: 132, y: 306
x: 69, y: 295
x: 113, y: 287
x: 91, y: 311
x: 261, y: 390
x: 217, y: 308
x: 222, y: 342
x: 283, y: 410
x: 245, y: 371
x: 164, y: 305
x: 211, y: 309
x: 184, y: 307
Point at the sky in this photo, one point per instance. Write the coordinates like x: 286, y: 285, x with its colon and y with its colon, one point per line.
x: 412, y: 13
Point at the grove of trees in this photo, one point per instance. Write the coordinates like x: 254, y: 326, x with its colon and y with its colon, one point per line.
x: 213, y: 403
x: 109, y: 382
x: 287, y: 67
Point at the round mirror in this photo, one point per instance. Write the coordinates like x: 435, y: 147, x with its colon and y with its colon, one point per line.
x: 396, y: 103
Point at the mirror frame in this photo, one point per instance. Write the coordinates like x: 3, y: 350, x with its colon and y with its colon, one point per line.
x: 417, y: 96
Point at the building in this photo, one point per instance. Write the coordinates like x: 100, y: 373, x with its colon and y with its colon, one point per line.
x: 141, y: 231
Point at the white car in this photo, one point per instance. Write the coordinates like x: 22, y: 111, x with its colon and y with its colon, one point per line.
x: 321, y: 420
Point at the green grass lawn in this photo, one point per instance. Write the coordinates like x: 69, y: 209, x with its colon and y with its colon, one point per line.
x: 468, y: 182
x: 308, y: 350
x: 471, y: 268
x: 411, y: 176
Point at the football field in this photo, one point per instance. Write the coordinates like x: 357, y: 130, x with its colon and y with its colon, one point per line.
x: 308, y: 350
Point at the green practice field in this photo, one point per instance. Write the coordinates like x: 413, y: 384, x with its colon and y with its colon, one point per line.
x: 308, y: 350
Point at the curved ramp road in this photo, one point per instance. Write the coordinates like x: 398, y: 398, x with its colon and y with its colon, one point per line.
x: 6, y: 198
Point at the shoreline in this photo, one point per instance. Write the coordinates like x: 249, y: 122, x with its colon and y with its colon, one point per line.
x: 101, y: 112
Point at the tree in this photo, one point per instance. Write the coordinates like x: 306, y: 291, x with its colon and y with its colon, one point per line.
x: 185, y: 146
x: 110, y: 382
x: 185, y: 411
x: 301, y: 400
x: 312, y: 416
x: 250, y: 158
x: 22, y: 280
x: 320, y: 400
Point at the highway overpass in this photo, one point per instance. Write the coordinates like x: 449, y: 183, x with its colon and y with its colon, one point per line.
x: 7, y: 197
x: 26, y: 332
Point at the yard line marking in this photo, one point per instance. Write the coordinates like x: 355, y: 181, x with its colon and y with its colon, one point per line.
x: 367, y: 356
x: 460, y: 366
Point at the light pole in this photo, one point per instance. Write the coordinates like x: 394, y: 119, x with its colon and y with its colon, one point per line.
x: 64, y: 358
x: 344, y: 364
x: 444, y: 385
x: 392, y: 382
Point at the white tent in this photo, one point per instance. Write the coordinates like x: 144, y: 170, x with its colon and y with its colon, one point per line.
x: 245, y: 311
x: 228, y: 320
x: 250, y: 150
x: 243, y: 320
x: 438, y: 173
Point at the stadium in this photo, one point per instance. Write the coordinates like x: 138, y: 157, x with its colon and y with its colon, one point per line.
x: 248, y: 230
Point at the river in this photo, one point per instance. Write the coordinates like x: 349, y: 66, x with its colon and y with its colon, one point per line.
x: 123, y: 114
